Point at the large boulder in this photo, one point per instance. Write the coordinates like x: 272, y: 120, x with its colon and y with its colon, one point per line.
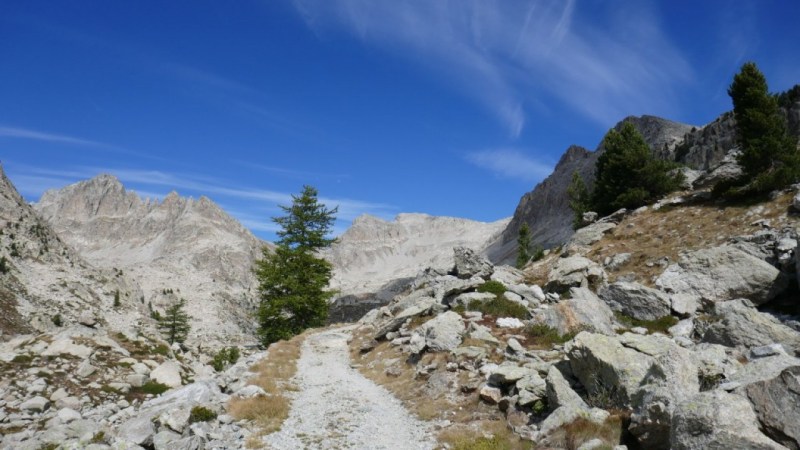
x: 717, y: 420
x: 168, y: 373
x: 582, y: 311
x: 635, y: 300
x: 574, y: 271
x: 738, y: 323
x: 776, y: 402
x: 469, y: 264
x: 671, y: 379
x: 442, y: 333
x: 605, y: 367
x: 723, y: 273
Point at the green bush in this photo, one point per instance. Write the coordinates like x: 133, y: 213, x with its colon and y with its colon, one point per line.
x: 224, y: 358
x: 57, y: 320
x: 201, y: 414
x: 494, y: 287
x: 499, y: 307
x: 3, y: 265
x: 151, y: 387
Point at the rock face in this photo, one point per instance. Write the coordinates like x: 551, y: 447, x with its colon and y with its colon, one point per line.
x: 723, y: 273
x: 738, y: 323
x: 777, y: 404
x: 717, y: 420
x: 635, y: 300
x: 546, y: 208
x: 373, y: 251
x: 176, y: 248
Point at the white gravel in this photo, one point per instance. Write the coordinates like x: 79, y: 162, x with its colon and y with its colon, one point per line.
x: 336, y: 407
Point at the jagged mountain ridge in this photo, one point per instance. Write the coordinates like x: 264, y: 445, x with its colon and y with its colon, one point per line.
x: 546, y: 208
x: 176, y: 248
x: 373, y: 251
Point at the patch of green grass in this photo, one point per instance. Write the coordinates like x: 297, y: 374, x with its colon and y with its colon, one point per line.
x: 660, y: 325
x: 98, y: 438
x: 201, y: 414
x: 483, y: 443
x: 151, y: 387
x: 499, y: 307
x: 161, y: 349
x: 545, y: 336
x: 22, y: 359
x: 494, y: 287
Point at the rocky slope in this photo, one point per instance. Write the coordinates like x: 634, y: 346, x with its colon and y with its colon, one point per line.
x: 45, y: 283
x: 373, y: 252
x: 675, y: 326
x: 546, y: 208
x: 176, y: 248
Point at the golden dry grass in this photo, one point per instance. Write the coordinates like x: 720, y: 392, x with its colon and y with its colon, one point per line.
x: 273, y: 374
x: 651, y: 236
x: 573, y: 435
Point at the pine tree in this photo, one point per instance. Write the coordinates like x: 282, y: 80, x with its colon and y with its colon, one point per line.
x: 174, y: 324
x: 769, y: 156
x: 627, y: 173
x: 292, y: 279
x: 523, y: 245
x: 579, y: 199
x: 116, y: 299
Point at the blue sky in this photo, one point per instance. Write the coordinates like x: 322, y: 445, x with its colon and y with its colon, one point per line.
x: 443, y: 107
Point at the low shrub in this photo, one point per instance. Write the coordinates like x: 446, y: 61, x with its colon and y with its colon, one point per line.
x: 499, y: 307
x: 57, y: 320
x: 494, y: 287
x: 151, y: 387
x: 201, y: 414
x: 224, y: 358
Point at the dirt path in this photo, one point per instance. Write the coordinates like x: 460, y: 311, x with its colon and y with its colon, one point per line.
x: 337, y: 408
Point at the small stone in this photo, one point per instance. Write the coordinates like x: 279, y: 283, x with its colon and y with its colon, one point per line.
x: 36, y: 404
x: 137, y: 379
x: 767, y: 350
x: 509, y: 322
x: 58, y: 395
x: 88, y: 319
x: 85, y: 369
x: 515, y: 346
x: 67, y: 415
x: 491, y: 395
x: 639, y: 330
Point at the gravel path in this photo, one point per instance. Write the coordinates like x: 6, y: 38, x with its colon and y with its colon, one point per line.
x: 337, y: 408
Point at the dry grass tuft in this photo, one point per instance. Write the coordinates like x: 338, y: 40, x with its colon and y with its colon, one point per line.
x: 582, y: 430
x: 273, y: 374
x: 483, y: 435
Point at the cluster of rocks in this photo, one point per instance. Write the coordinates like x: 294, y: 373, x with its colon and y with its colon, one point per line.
x: 85, y: 388
x: 723, y: 375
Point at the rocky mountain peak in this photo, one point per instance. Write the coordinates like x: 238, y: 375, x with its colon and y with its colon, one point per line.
x: 546, y: 208
x: 176, y: 245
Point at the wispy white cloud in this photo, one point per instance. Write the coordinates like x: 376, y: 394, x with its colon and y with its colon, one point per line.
x: 510, y: 163
x: 510, y: 55
x: 25, y: 133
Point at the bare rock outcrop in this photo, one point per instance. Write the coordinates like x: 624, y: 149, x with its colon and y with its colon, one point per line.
x: 546, y: 208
